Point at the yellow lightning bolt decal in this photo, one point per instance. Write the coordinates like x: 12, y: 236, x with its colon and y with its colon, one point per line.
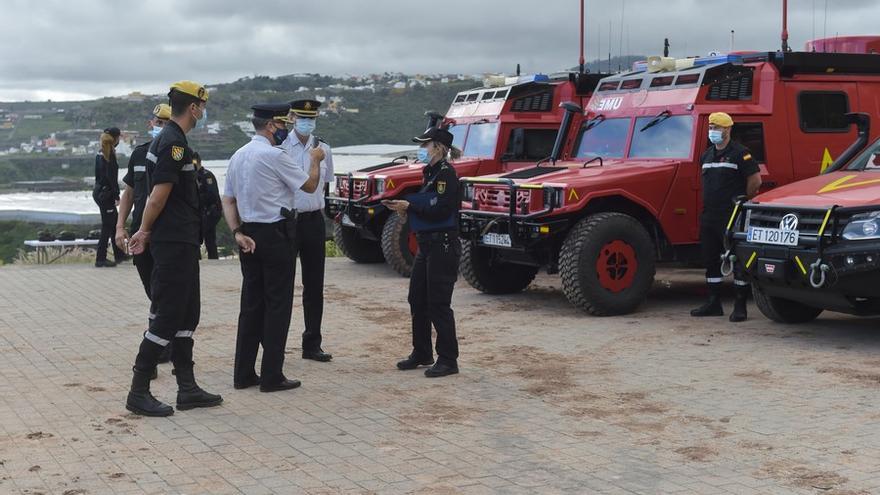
x: 844, y: 183
x: 389, y: 184
x: 573, y: 194
x: 826, y: 160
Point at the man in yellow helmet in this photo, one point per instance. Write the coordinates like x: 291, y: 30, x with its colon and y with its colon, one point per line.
x: 728, y: 172
x: 171, y: 230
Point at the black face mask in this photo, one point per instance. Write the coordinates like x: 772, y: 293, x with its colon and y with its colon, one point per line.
x: 280, y: 135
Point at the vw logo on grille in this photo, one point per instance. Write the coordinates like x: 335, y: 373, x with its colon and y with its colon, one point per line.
x: 789, y: 222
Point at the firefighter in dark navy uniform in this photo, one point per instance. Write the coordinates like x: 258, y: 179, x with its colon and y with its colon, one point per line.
x: 728, y: 172
x: 212, y: 210
x: 170, y: 228
x: 258, y: 204
x: 433, y: 215
x: 311, y: 235
x: 134, y: 198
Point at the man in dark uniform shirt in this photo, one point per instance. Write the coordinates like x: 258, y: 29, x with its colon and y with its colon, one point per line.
x: 170, y: 228
x: 212, y: 210
x: 134, y: 197
x: 728, y: 172
x: 433, y: 215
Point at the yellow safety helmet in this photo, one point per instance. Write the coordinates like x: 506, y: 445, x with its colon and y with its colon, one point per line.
x: 191, y: 88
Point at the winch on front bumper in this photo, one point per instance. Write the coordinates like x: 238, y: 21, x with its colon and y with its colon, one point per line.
x: 352, y: 204
x: 489, y: 217
x: 817, y: 266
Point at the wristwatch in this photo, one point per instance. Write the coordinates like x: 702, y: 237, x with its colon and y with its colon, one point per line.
x: 236, y: 230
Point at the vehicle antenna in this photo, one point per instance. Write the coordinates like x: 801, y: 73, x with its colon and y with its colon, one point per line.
x: 665, y: 47
x: 581, y: 59
x: 785, y: 47
x: 620, y: 46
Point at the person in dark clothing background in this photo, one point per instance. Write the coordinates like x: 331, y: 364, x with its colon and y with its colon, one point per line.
x: 212, y: 209
x: 106, y: 196
x: 433, y: 213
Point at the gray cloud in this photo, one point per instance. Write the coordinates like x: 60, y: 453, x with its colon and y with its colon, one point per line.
x: 92, y: 48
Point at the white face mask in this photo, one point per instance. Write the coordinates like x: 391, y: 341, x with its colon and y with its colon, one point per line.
x: 305, y: 126
x: 155, y: 130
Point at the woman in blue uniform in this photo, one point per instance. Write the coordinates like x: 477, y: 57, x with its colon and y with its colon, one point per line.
x: 433, y: 216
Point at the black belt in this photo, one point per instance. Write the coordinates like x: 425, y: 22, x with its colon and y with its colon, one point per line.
x: 304, y: 213
x: 444, y: 235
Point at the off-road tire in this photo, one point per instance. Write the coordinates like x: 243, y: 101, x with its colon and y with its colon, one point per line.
x: 492, y: 278
x: 580, y: 254
x: 395, y: 245
x: 784, y: 310
x: 358, y: 249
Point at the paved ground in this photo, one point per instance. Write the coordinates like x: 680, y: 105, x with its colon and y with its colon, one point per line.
x: 549, y: 400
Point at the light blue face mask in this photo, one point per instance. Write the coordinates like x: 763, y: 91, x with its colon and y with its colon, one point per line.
x: 305, y: 126
x: 716, y: 136
x: 423, y: 155
x: 202, y: 122
x: 154, y: 131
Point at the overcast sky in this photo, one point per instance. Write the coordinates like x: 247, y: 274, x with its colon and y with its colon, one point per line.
x: 83, y: 49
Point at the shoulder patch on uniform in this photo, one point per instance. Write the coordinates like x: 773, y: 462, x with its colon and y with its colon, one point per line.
x: 747, y: 156
x: 441, y: 186
x: 177, y: 153
x: 210, y: 180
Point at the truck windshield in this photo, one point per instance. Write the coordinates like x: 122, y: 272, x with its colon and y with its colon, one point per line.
x: 458, y: 133
x: 606, y: 138
x: 868, y: 160
x: 669, y: 138
x: 481, y: 140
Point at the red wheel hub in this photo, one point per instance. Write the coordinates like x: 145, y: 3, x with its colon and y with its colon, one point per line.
x: 616, y: 266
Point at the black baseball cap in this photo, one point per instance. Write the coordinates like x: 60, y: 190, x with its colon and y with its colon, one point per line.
x: 113, y: 131
x: 442, y: 136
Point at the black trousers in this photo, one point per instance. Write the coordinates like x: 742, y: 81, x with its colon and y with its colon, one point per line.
x: 175, y: 305
x: 209, y: 230
x: 109, y: 215
x: 434, y: 272
x: 144, y: 264
x: 310, y: 242
x: 266, y: 301
x: 712, y: 228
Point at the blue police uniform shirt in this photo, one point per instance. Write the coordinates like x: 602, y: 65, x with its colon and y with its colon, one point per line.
x: 263, y: 179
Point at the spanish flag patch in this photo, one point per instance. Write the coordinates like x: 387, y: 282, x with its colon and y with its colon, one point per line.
x: 748, y: 156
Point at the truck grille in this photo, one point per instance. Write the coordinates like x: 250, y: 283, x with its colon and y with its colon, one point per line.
x: 809, y: 221
x: 361, y: 187
x: 498, y: 199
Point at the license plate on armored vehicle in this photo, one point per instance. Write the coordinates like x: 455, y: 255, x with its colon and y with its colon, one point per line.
x: 778, y: 237
x: 493, y: 239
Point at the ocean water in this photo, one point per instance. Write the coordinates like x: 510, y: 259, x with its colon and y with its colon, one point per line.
x: 78, y: 206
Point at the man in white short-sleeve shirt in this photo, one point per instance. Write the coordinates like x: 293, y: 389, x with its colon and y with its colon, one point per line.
x: 261, y: 182
x: 310, y: 229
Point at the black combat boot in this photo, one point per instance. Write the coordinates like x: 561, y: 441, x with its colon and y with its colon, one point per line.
x: 739, y: 306
x: 141, y: 401
x: 189, y: 394
x: 712, y: 307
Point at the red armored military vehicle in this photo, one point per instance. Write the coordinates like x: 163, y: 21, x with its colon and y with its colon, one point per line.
x: 815, y: 244
x: 628, y: 194
x: 499, y: 128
